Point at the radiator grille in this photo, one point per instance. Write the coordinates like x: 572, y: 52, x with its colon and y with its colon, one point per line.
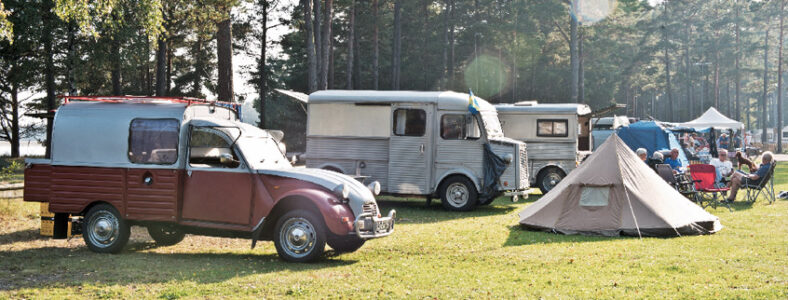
x: 370, y: 208
x: 523, y: 167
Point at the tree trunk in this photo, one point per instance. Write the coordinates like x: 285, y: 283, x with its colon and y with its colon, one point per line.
x: 161, y: 67
x: 330, y: 83
x: 580, y: 72
x: 690, y: 96
x: 356, y: 58
x: 48, y: 17
x: 224, y: 55
x: 514, y: 57
x: 396, y: 45
x: 736, y: 73
x: 573, y: 57
x: 450, y: 70
x: 311, y: 58
x: 71, y: 57
x: 261, y: 67
x: 199, y: 66
x: 351, y: 36
x: 116, y: 65
x: 14, y: 120
x: 375, y: 47
x: 317, y: 32
x: 780, y: 82
x: 762, y: 121
x: 170, y: 55
x: 668, y: 91
x: 327, y: 44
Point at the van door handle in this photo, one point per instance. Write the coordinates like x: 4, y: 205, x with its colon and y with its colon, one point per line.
x: 421, y: 149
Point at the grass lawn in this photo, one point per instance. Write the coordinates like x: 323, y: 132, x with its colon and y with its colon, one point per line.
x: 432, y: 254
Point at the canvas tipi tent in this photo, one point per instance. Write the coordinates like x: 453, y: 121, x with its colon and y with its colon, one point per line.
x: 615, y: 193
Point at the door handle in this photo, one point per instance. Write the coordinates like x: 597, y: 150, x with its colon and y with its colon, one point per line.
x: 189, y: 173
x: 421, y: 149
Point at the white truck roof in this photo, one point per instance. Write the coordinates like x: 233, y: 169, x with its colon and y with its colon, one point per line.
x: 445, y: 100
x: 542, y: 108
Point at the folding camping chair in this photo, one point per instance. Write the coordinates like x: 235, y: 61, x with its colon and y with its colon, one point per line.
x: 704, y: 176
x: 679, y: 182
x: 755, y: 187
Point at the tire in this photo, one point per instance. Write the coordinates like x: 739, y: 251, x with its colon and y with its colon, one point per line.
x: 458, y: 194
x: 346, y: 244
x: 166, y: 234
x: 300, y: 236
x: 549, y: 178
x: 104, y: 230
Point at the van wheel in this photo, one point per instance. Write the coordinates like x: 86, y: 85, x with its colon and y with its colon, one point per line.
x: 345, y: 245
x: 333, y: 169
x: 104, y: 230
x: 300, y: 236
x: 165, y: 235
x: 549, y: 178
x: 458, y: 194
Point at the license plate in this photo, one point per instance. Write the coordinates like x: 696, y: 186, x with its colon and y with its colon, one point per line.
x: 383, y: 226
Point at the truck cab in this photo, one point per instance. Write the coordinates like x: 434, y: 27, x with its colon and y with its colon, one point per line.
x: 179, y: 168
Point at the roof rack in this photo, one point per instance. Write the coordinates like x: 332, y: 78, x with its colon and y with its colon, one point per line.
x: 148, y: 99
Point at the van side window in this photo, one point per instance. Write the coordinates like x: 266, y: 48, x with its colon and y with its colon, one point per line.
x: 153, y: 141
x: 206, y: 147
x: 410, y: 122
x: 459, y: 127
x: 552, y: 128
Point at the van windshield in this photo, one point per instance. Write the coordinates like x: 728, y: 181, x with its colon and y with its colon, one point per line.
x: 261, y: 150
x: 491, y: 124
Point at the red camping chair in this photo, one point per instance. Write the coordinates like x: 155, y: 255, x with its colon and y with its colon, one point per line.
x: 704, y: 177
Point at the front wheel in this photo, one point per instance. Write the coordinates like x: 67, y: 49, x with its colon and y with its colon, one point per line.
x: 549, y: 178
x: 165, y: 235
x: 458, y: 194
x: 300, y: 236
x: 104, y: 230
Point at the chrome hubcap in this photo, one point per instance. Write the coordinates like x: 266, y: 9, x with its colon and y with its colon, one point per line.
x: 103, y: 229
x: 457, y: 194
x: 298, y: 237
x: 551, y: 180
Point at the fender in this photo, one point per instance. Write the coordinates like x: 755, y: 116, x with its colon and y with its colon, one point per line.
x: 457, y: 171
x: 331, y: 209
x: 552, y: 164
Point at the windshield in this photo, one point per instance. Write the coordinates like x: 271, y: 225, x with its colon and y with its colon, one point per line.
x: 261, y: 150
x: 491, y: 124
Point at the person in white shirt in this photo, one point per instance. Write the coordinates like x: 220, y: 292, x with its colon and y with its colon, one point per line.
x: 723, y: 166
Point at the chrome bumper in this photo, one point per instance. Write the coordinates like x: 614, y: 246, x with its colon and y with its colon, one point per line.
x: 369, y: 226
x: 516, y: 194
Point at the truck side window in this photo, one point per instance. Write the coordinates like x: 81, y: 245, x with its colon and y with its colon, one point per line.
x: 459, y: 127
x: 153, y: 141
x: 409, y: 122
x: 552, y: 128
x: 206, y: 147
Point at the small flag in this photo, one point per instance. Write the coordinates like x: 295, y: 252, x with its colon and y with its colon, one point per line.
x: 473, y: 106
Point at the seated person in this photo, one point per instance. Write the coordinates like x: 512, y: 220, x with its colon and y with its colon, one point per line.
x: 723, y: 166
x: 642, y: 153
x: 656, y: 159
x: 740, y: 178
x: 673, y: 161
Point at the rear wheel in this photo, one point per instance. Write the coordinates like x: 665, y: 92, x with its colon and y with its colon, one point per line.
x: 300, y: 236
x: 104, y: 230
x: 549, y: 178
x: 458, y: 194
x: 165, y: 234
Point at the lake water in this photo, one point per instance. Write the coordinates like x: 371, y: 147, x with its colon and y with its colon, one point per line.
x: 26, y: 148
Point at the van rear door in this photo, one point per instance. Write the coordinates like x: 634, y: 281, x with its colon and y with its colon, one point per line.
x: 410, y: 149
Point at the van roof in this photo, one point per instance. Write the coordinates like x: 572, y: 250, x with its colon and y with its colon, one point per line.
x: 570, y: 108
x: 444, y: 99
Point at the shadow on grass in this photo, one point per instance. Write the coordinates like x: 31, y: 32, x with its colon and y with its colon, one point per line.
x: 415, y: 210
x: 21, y: 236
x: 67, y: 267
x: 519, y: 236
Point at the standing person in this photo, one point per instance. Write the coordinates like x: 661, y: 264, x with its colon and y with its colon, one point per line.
x: 739, y: 178
x: 673, y: 160
x: 723, y: 142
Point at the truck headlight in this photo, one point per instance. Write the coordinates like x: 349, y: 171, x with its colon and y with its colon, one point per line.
x: 508, y: 158
x: 341, y: 191
x: 374, y: 187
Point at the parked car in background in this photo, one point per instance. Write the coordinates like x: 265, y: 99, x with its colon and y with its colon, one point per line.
x: 557, y: 135
x: 602, y: 128
x: 185, y: 167
x: 414, y: 143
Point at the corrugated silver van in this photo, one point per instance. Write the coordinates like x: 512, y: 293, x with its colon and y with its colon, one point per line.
x: 414, y: 143
x: 557, y: 136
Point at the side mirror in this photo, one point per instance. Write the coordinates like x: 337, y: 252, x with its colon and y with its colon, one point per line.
x: 227, y: 160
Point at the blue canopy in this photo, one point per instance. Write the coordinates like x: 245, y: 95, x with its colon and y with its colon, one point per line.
x: 652, y: 137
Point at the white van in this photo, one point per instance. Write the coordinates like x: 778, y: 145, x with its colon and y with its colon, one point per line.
x: 414, y: 143
x: 602, y: 128
x: 557, y: 135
